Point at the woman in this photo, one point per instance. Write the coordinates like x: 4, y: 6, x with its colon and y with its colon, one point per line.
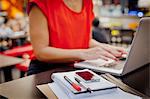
x: 60, y: 33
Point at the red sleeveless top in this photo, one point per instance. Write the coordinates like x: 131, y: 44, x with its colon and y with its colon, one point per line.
x: 67, y: 29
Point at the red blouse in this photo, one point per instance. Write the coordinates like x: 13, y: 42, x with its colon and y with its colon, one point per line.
x: 67, y: 29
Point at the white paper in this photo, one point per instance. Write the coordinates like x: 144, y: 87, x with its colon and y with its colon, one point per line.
x: 119, y: 94
x: 59, y: 79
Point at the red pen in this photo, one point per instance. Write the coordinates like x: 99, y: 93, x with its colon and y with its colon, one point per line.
x: 74, y: 85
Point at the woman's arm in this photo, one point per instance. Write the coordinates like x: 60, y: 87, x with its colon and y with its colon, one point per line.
x: 40, y: 41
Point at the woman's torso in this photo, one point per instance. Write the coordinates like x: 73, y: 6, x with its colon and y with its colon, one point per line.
x: 67, y: 29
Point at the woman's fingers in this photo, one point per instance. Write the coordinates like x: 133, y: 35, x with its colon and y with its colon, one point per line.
x: 95, y: 53
x: 113, y: 51
x: 116, y: 51
x: 104, y: 58
x: 122, y: 50
x: 109, y: 55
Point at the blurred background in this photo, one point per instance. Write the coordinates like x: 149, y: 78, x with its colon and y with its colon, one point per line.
x: 115, y: 23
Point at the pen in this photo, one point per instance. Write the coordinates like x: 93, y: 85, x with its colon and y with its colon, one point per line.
x: 85, y: 87
x: 74, y: 85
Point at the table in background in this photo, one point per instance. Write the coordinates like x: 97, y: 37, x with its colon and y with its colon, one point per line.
x: 6, y: 62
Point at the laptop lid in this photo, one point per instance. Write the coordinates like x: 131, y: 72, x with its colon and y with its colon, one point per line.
x: 139, y: 54
x: 149, y: 40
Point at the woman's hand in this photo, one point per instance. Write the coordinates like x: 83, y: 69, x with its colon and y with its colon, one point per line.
x: 116, y: 51
x: 95, y: 53
x: 103, y: 51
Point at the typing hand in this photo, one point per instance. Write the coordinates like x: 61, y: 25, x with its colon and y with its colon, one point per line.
x: 97, y: 52
x: 116, y: 51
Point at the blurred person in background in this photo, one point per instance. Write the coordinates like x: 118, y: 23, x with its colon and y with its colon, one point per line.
x: 60, y: 32
x: 98, y: 33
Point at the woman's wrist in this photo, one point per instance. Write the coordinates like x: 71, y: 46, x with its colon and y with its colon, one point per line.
x: 79, y: 54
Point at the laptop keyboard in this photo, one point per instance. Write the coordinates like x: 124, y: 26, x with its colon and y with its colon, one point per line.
x: 119, y: 65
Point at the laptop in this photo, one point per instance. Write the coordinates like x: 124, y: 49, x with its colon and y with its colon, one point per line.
x: 138, y: 56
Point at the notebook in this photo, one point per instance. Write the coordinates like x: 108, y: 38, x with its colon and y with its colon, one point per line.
x: 99, y: 87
